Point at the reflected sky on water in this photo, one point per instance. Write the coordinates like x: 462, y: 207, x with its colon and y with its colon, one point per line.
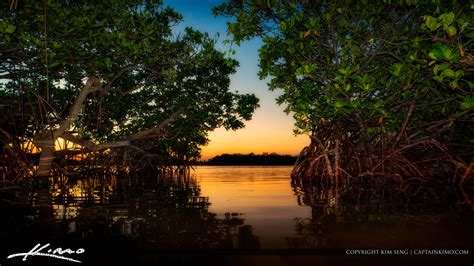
x: 262, y: 194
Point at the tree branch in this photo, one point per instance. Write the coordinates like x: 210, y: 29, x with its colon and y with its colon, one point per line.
x: 91, y: 85
x: 404, y: 126
x: 159, y: 130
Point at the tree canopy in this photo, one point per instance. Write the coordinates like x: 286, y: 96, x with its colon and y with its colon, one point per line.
x: 382, y: 89
x: 112, y: 75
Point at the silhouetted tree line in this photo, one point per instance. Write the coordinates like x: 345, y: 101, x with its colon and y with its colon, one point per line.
x: 252, y: 159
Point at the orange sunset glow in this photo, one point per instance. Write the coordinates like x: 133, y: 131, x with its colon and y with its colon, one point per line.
x: 270, y: 129
x: 266, y: 132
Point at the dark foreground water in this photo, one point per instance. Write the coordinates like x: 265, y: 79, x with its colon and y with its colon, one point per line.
x: 237, y: 216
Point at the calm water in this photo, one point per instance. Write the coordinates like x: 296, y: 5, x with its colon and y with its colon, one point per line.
x: 262, y: 195
x: 286, y: 215
x: 232, y: 208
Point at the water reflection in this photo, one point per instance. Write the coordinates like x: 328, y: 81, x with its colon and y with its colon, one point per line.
x: 428, y: 216
x: 140, y: 212
x: 227, y: 208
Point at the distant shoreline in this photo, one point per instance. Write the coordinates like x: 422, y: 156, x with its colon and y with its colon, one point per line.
x: 206, y: 164
x: 251, y: 159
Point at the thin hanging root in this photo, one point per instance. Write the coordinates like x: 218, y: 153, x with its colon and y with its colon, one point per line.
x: 410, y: 164
x: 327, y: 155
x: 399, y: 167
x: 398, y: 177
x: 328, y: 165
x: 315, y: 160
x: 446, y: 151
x: 467, y: 172
x: 314, y: 165
x: 467, y: 198
x: 345, y: 172
x: 337, y: 160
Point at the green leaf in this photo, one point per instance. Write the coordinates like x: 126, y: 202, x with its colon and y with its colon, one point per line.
x: 439, y: 68
x: 412, y: 56
x: 468, y: 103
x: 347, y: 87
x: 470, y: 85
x: 448, y: 73
x: 56, y: 45
x: 454, y: 84
x: 107, y: 61
x: 447, y: 18
x: 442, y: 51
x: 344, y: 71
x: 459, y: 74
x: 436, y: 54
x: 451, y: 31
x: 54, y: 65
x: 10, y: 29
x: 396, y: 69
x: 309, y: 68
x: 378, y: 104
x: 432, y: 23
x: 450, y: 55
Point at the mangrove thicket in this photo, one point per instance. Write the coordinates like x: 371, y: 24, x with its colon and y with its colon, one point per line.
x: 108, y: 84
x: 383, y: 90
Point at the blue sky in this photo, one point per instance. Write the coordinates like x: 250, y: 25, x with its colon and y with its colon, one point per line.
x: 270, y: 130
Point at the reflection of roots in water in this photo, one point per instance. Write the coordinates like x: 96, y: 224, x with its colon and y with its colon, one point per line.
x: 161, y: 212
x: 335, y: 210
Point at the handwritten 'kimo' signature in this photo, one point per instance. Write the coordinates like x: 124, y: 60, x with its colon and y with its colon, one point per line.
x: 41, y: 251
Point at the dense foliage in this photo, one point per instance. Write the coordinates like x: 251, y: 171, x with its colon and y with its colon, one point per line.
x: 381, y: 89
x: 111, y: 76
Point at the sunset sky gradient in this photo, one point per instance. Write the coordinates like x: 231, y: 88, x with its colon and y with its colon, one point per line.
x: 270, y: 130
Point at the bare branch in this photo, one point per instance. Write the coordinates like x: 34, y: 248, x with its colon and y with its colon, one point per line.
x: 159, y: 130
x: 404, y: 126
x: 90, y: 86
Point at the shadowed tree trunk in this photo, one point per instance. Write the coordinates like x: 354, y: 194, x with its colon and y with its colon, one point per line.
x: 46, y: 158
